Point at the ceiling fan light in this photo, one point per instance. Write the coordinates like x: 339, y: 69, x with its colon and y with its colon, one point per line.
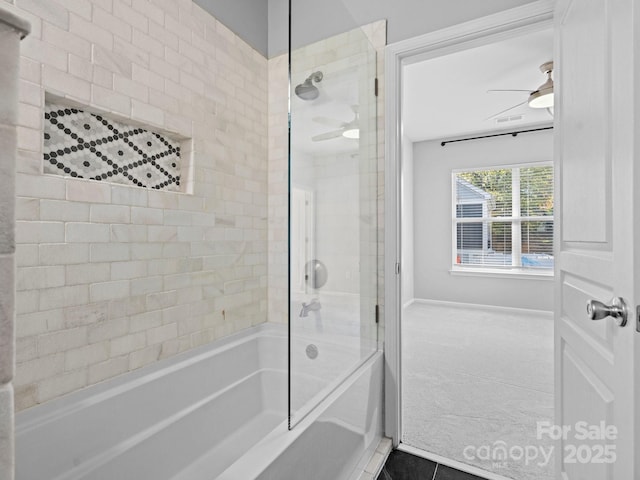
x: 542, y: 98
x: 352, y: 133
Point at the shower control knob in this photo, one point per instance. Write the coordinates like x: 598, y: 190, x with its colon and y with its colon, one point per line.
x: 617, y: 310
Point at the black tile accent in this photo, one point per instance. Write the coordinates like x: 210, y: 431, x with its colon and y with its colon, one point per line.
x: 448, y: 473
x: 404, y: 466
x: 82, y: 144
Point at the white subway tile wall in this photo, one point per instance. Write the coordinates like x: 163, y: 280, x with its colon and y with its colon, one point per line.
x: 110, y: 277
x: 278, y: 188
x: 12, y: 30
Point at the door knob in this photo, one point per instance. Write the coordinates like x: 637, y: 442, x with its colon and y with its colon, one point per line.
x: 617, y: 310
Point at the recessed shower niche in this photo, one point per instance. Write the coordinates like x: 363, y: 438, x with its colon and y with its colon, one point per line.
x: 83, y: 144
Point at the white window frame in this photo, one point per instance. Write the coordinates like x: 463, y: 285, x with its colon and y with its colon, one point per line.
x: 515, y: 269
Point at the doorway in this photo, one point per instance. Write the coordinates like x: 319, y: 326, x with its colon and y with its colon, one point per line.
x: 596, y: 349
x: 476, y: 344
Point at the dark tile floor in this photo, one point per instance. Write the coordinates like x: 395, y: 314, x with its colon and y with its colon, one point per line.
x: 404, y: 466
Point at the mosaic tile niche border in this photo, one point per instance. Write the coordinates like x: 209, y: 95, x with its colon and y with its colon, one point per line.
x: 86, y: 145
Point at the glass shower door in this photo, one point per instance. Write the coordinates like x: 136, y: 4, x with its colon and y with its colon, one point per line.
x: 332, y: 220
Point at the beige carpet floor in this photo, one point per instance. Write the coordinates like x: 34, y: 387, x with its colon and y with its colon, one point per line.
x: 476, y: 380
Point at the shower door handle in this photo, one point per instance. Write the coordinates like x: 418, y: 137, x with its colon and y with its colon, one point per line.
x: 618, y: 310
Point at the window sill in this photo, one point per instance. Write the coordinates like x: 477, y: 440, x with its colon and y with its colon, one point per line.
x: 515, y: 273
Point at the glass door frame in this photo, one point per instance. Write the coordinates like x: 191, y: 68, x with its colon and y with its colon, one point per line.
x: 364, y: 107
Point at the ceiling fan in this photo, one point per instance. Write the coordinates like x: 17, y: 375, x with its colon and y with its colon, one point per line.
x: 349, y: 130
x: 542, y: 97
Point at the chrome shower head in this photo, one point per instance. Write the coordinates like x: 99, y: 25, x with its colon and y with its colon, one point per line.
x: 307, y: 90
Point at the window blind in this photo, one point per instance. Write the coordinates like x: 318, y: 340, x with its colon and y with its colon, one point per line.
x: 504, y: 217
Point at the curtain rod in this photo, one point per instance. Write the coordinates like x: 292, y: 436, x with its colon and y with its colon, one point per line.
x: 513, y: 134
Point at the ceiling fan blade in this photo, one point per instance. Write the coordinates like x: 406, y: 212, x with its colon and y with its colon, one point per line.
x: 329, y: 122
x: 507, y: 90
x: 507, y: 110
x: 327, y: 136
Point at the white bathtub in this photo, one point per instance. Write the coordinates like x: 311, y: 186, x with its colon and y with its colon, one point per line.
x: 217, y: 412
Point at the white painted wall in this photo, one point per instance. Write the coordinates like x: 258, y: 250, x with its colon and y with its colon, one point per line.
x: 407, y: 265
x: 432, y: 219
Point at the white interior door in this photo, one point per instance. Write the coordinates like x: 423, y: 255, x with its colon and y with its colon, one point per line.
x: 595, y: 148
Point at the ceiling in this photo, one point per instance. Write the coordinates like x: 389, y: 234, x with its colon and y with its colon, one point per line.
x: 446, y: 97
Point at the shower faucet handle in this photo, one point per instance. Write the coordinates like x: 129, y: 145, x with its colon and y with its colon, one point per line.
x: 316, y: 76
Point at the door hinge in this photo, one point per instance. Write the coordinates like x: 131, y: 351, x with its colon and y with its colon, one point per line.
x: 377, y: 313
x: 397, y: 268
x: 375, y: 87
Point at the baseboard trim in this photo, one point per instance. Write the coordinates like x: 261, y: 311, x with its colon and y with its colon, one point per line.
x: 489, y: 308
x: 409, y: 303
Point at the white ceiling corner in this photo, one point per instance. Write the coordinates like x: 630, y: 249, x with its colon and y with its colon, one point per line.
x: 446, y: 97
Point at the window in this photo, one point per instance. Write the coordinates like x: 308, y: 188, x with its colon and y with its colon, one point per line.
x: 470, y: 235
x: 504, y: 218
